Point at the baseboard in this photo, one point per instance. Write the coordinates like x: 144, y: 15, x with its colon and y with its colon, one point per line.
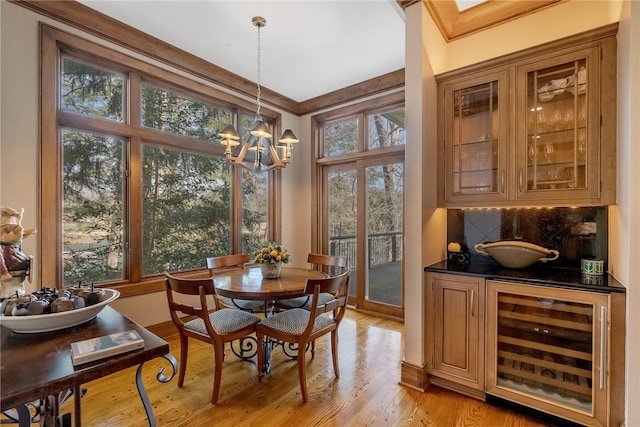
x: 458, y: 388
x: 164, y: 330
x: 413, y: 376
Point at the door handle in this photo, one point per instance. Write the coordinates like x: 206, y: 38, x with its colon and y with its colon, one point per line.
x: 520, y: 179
x: 472, y: 297
x: 603, y: 344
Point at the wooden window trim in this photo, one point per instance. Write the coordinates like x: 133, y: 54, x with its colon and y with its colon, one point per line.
x: 54, y: 44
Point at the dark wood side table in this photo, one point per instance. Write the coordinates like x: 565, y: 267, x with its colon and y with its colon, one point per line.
x: 38, y: 366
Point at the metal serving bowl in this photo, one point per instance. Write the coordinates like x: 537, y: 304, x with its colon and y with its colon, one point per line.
x: 516, y: 254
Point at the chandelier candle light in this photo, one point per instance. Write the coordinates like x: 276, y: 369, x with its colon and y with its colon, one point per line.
x: 260, y: 140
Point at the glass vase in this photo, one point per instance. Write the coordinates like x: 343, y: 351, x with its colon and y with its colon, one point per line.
x: 271, y: 271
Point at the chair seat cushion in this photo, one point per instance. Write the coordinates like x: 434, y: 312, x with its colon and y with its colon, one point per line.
x: 304, y: 302
x: 224, y: 321
x: 294, y: 321
x: 242, y: 304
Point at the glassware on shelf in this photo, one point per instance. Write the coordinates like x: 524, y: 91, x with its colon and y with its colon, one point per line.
x: 552, y: 175
x: 569, y: 119
x: 556, y: 120
x: 582, y: 143
x: 542, y: 120
x: 582, y: 114
x: 532, y: 152
x: 548, y: 151
x: 570, y: 177
x: 481, y: 155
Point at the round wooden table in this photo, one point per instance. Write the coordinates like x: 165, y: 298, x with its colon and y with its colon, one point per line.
x: 249, y: 283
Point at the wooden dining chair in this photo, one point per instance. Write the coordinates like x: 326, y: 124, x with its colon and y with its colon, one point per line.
x: 301, y: 327
x: 224, y: 263
x: 215, y: 327
x: 329, y: 264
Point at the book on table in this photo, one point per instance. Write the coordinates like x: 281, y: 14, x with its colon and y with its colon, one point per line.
x: 86, y: 351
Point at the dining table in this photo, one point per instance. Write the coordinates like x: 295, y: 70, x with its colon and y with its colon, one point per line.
x: 37, y: 373
x: 249, y: 284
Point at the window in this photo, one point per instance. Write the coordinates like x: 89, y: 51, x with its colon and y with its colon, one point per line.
x: 340, y: 137
x: 93, y: 207
x: 135, y: 176
x: 175, y: 113
x: 92, y: 91
x: 186, y: 209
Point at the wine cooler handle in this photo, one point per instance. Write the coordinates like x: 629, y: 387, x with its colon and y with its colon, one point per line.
x: 472, y: 300
x: 603, y: 344
x: 502, y: 181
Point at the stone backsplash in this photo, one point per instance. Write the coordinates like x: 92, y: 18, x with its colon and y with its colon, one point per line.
x: 576, y: 232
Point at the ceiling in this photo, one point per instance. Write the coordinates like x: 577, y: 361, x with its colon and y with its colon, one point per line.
x: 309, y: 47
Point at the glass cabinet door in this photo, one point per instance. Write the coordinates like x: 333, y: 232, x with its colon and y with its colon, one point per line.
x: 561, y: 142
x: 547, y: 346
x: 475, y: 140
x: 545, y: 349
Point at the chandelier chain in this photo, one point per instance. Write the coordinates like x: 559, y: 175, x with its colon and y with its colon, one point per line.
x: 260, y: 139
x: 258, y: 116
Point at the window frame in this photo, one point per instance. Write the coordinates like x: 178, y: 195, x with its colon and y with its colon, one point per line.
x: 54, y: 45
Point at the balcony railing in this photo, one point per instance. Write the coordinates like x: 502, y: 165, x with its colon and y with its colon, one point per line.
x: 381, y: 248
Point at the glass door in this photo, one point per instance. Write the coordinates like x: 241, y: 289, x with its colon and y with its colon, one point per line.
x: 364, y: 224
x: 548, y: 346
x: 384, y: 201
x: 561, y: 153
x: 475, y: 136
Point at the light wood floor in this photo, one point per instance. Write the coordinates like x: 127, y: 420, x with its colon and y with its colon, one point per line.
x: 367, y: 393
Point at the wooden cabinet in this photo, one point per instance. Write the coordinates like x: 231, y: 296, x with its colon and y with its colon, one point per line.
x: 552, y: 349
x: 455, y: 319
x: 534, y: 128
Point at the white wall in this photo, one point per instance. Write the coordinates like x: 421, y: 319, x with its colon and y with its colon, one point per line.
x: 296, y: 197
x: 19, y: 157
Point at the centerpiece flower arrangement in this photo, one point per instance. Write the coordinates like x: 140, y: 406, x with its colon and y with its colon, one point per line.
x: 270, y: 258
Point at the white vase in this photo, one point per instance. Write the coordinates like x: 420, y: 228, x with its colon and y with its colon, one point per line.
x: 271, y: 271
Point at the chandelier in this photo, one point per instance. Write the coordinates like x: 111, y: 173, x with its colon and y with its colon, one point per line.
x: 258, y: 152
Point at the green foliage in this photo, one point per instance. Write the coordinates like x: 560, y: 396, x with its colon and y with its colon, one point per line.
x: 172, y: 112
x: 93, y: 208
x: 186, y: 197
x: 90, y: 90
x: 186, y: 209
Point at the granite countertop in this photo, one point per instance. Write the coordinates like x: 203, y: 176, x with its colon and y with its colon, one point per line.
x: 538, y: 274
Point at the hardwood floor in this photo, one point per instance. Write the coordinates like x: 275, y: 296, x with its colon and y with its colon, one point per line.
x: 367, y: 393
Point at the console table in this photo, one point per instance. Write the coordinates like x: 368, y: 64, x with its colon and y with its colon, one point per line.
x: 38, y: 367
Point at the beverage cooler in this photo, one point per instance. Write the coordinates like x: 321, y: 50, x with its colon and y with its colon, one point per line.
x: 547, y: 349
